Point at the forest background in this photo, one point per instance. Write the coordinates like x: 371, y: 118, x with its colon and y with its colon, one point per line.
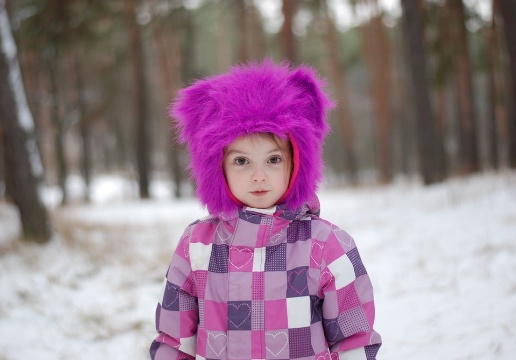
x: 425, y: 89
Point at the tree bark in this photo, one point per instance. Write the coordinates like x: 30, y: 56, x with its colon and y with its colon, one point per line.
x: 242, y: 33
x: 140, y: 97
x: 426, y: 132
x: 441, y: 44
x: 58, y: 124
x: 338, y: 78
x: 22, y: 160
x: 258, y: 44
x: 188, y: 53
x: 468, y: 144
x: 496, y: 98
x: 223, y: 56
x: 169, y: 62
x: 288, y: 41
x: 403, y: 140
x: 377, y: 55
x: 508, y: 14
x: 84, y: 124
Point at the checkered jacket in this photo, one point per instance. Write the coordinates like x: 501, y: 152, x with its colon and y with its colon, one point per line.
x: 276, y: 285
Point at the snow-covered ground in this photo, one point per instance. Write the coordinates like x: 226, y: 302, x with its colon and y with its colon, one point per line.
x: 442, y: 260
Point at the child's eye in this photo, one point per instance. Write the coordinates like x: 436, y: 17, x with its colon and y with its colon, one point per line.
x: 275, y: 159
x: 241, y: 161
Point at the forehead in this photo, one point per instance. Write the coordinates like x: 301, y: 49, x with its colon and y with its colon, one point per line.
x: 258, y: 140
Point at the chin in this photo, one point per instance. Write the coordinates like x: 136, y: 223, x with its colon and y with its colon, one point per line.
x: 260, y: 205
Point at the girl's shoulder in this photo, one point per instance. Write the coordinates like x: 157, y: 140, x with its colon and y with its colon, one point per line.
x: 324, y: 230
x: 318, y: 221
x: 203, y: 224
x: 208, y: 219
x: 207, y: 230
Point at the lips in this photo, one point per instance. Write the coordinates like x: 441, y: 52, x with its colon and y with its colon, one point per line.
x: 259, y: 192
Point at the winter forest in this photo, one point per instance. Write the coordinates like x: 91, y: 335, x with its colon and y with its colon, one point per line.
x: 420, y: 163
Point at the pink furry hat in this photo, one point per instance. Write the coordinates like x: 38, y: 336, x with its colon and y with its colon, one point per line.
x: 254, y: 98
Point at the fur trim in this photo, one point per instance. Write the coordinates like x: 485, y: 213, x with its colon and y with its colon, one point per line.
x: 254, y: 98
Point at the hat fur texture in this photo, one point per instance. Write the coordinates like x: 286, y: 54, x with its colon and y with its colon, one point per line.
x: 254, y: 98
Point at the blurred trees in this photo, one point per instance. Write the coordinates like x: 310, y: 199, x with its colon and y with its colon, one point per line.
x: 377, y: 57
x: 55, y: 64
x: 337, y: 71
x: 288, y: 38
x: 99, y: 77
x: 22, y: 161
x: 505, y: 10
x: 468, y: 146
x: 426, y: 133
x: 137, y: 55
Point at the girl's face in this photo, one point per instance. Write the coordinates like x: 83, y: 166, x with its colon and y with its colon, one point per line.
x: 257, y: 169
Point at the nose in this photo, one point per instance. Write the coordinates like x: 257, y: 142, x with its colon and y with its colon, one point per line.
x: 259, y: 175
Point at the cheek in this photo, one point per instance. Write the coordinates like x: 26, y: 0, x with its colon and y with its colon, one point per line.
x: 234, y: 178
x: 229, y: 171
x: 288, y: 174
x: 286, y: 180
x: 230, y: 177
x: 284, y: 177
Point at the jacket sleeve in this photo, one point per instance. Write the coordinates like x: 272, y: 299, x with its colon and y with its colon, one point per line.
x: 348, y: 305
x: 177, y: 315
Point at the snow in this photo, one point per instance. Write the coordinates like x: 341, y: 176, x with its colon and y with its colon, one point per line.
x: 442, y: 260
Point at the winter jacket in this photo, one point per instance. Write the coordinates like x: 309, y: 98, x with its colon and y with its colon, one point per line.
x: 266, y: 284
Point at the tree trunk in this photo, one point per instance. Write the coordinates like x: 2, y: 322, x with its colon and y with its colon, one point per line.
x: 338, y: 77
x: 468, y: 145
x: 140, y: 97
x: 496, y: 98
x: 223, y: 56
x: 258, y: 44
x: 441, y: 44
x: 440, y: 119
x: 84, y: 124
x: 22, y: 160
x: 58, y: 124
x: 251, y: 40
x: 288, y: 41
x: 242, y: 33
x: 508, y: 14
x: 403, y: 141
x: 426, y: 132
x: 2, y: 165
x: 188, y: 64
x: 169, y: 62
x: 377, y: 55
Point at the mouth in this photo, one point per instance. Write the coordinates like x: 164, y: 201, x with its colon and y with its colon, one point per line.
x: 259, y: 192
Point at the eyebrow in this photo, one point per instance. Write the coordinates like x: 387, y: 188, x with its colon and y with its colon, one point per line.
x: 238, y: 151
x: 235, y: 151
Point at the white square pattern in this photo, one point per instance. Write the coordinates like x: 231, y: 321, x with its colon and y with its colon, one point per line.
x: 355, y: 354
x: 343, y: 271
x: 298, y: 312
x: 259, y: 259
x: 189, y: 345
x: 200, y: 256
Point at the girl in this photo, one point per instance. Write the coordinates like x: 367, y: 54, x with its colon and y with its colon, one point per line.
x: 263, y: 277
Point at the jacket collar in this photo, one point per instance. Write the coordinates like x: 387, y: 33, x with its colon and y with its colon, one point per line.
x: 311, y: 207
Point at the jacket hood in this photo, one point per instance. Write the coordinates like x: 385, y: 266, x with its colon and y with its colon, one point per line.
x: 254, y: 98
